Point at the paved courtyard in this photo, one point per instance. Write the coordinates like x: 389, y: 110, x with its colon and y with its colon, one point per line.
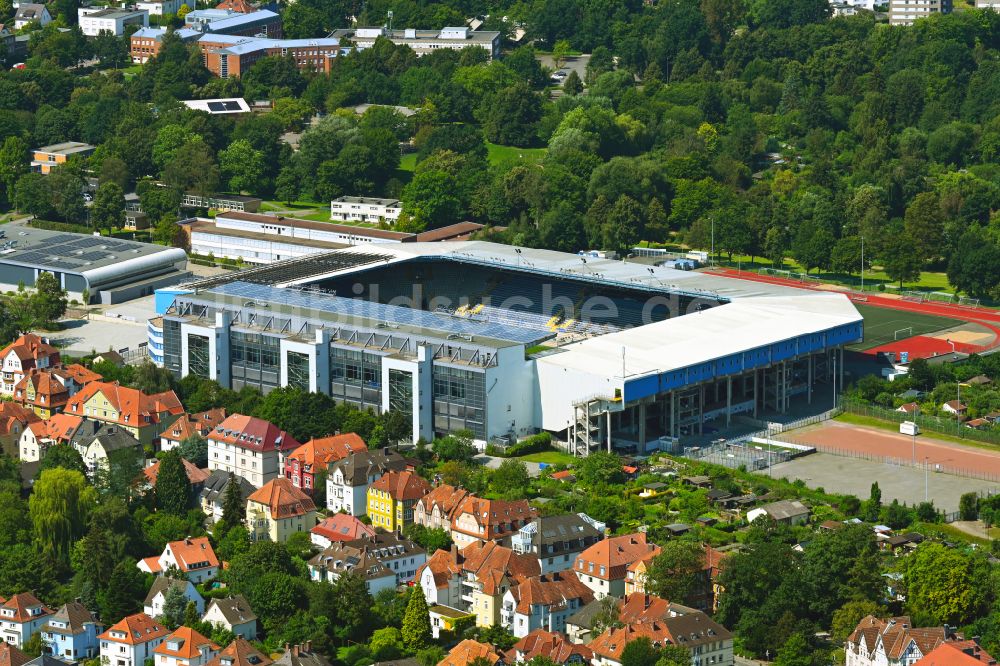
x: 854, y: 476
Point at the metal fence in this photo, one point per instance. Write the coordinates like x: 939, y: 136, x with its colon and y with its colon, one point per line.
x: 934, y: 424
x: 739, y: 454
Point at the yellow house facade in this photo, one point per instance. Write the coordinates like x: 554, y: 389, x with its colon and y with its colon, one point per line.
x: 278, y: 510
x: 392, y: 498
x: 145, y: 417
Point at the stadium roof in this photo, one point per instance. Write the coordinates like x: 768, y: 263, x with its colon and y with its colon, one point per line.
x: 347, y: 309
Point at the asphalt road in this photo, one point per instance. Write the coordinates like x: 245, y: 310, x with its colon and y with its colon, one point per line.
x: 574, y: 63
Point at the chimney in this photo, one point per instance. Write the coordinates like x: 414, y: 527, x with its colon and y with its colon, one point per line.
x: 295, y: 650
x: 286, y: 647
x: 309, y: 646
x: 454, y: 553
x: 385, y: 450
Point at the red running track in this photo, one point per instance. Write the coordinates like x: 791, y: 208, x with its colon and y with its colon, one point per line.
x: 985, y: 317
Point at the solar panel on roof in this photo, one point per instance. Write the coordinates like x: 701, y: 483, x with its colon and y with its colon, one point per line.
x: 231, y: 105
x: 216, y: 106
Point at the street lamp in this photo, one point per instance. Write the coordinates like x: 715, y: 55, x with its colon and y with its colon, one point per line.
x: 926, y: 468
x: 862, y: 264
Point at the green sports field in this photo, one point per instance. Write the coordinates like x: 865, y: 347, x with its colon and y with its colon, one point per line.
x: 882, y: 325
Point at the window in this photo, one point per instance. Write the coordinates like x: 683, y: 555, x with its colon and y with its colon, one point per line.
x: 199, y: 362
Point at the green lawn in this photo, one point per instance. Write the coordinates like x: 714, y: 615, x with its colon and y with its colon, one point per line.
x: 272, y: 205
x: 504, y: 154
x: 549, y: 457
x: 881, y: 325
x: 408, y: 162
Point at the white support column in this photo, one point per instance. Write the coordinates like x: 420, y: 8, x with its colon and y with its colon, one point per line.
x: 609, y: 431
x: 756, y: 373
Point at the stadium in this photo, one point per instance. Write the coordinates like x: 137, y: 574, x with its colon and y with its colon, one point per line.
x: 506, y: 342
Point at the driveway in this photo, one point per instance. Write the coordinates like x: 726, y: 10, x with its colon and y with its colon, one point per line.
x: 493, y: 462
x: 571, y: 63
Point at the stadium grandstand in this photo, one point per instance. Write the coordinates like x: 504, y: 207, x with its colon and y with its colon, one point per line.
x: 506, y: 342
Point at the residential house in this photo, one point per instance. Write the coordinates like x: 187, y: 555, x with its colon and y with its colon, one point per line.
x: 146, y: 417
x: 30, y: 12
x: 238, y: 6
x: 958, y: 653
x: 340, y: 558
x: 909, y: 408
x: 249, y: 447
x: 14, y: 421
x: 153, y: 605
x: 392, y: 497
x: 21, y: 617
x: 194, y: 557
x: 304, y: 463
x: 543, y: 602
x: 233, y: 614
x: 469, y: 651
x: 390, y: 551
x: 131, y: 641
x: 784, y: 512
x: 365, y: 209
x: 564, y: 476
x: 191, y: 425
x: 632, y: 608
x: 47, y: 390
x: 241, y: 653
x: 435, y: 509
x: 551, y: 645
x: 185, y: 647
x: 37, y: 437
x: 160, y: 7
x: 477, y: 519
x: 99, y: 442
x: 348, y: 480
x: 11, y: 656
x: 445, y: 619
x: 603, y: 567
x: 955, y: 407
x: 475, y: 578
x: 213, y: 492
x: 279, y: 510
x: 196, y: 477
x: 27, y: 352
x: 891, y: 642
x: 556, y: 541
x: 703, y: 590
x: 301, y: 655
x: 339, y: 527
x: 905, y: 12
x: 708, y: 641
x: 71, y: 633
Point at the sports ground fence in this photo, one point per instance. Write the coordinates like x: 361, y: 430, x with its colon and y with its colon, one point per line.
x: 934, y: 424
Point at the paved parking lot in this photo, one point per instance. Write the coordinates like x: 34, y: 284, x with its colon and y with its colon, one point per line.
x: 854, y: 476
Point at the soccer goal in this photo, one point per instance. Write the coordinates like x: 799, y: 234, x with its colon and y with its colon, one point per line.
x: 906, y: 333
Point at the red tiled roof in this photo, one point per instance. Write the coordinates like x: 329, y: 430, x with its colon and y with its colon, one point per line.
x: 552, y: 590
x: 402, y: 486
x: 31, y: 347
x: 446, y: 498
x: 190, y: 644
x: 131, y: 404
x: 497, y: 518
x: 283, y: 499
x: 615, y: 554
x: 469, y: 651
x: 248, y: 432
x: 240, y: 6
x: 193, y: 553
x: 22, y: 604
x: 194, y: 475
x: 11, y: 656
x: 343, y: 527
x: 957, y: 653
x: 240, y: 653
x: 138, y: 628
x: 12, y: 413
x: 549, y: 644
x: 317, y: 454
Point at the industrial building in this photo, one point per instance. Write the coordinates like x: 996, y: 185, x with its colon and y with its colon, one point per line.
x: 424, y: 41
x: 506, y: 341
x: 109, y: 270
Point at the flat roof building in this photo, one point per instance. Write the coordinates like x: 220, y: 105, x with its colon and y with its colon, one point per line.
x: 110, y: 270
x: 46, y: 157
x: 365, y: 209
x: 95, y: 20
x: 424, y: 41
x: 260, y: 23
x: 230, y: 56
x: 905, y: 12
x: 145, y: 43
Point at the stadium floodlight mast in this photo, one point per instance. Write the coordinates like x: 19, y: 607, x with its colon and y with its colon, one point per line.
x: 862, y: 263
